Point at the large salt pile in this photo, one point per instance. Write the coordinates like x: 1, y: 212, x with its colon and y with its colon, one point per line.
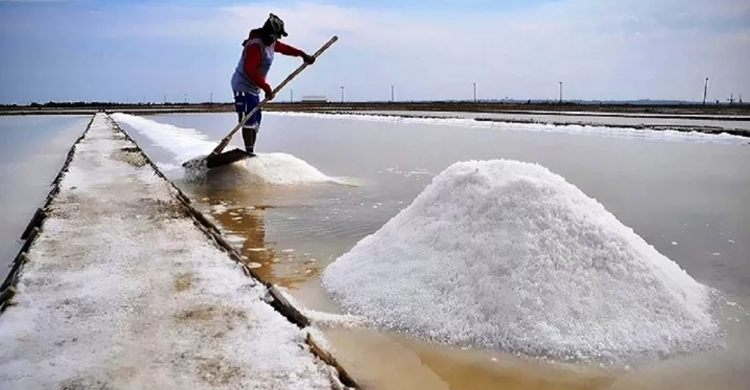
x: 508, y: 255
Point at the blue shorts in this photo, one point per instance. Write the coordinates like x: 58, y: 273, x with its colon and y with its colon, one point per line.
x: 244, y: 102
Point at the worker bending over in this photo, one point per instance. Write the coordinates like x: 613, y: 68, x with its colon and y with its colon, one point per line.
x: 249, y: 77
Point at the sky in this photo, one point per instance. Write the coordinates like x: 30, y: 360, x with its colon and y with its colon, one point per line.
x: 133, y: 51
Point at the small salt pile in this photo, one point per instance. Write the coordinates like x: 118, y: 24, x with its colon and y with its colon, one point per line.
x: 191, y: 147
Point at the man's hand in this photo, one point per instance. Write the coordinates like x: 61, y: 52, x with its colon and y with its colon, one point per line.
x: 269, y: 94
x: 308, y: 58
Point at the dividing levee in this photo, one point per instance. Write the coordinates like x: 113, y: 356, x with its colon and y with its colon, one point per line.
x: 122, y: 284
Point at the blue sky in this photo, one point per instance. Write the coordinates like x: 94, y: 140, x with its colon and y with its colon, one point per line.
x: 429, y: 49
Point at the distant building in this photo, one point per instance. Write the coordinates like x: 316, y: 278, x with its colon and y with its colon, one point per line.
x: 314, y: 99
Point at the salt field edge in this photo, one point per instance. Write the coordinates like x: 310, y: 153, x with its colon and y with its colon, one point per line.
x: 664, y: 133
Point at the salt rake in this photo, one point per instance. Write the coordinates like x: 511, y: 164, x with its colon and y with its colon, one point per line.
x: 217, y: 158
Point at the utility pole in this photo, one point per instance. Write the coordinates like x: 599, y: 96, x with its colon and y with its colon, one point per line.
x: 705, y: 91
x: 560, y: 91
x: 475, y: 91
x: 165, y: 99
x: 185, y: 98
x: 731, y: 99
x: 211, y: 101
x: 740, y: 98
x: 291, y: 96
x: 342, y: 94
x: 393, y: 95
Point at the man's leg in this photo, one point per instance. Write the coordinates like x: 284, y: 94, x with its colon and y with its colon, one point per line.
x: 249, y: 135
x: 252, y: 125
x: 243, y: 105
x: 239, y: 105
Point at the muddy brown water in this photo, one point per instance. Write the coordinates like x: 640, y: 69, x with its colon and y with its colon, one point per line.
x: 692, y: 194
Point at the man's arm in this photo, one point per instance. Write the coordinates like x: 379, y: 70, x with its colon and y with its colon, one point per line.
x: 252, y: 60
x: 289, y: 50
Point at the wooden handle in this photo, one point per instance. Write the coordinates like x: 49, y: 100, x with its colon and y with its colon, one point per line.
x: 224, y: 142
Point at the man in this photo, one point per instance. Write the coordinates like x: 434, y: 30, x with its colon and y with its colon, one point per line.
x: 249, y: 77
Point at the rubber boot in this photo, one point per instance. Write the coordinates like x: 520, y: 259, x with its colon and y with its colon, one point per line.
x: 249, y: 135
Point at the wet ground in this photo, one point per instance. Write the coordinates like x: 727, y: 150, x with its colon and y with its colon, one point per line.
x: 687, y: 199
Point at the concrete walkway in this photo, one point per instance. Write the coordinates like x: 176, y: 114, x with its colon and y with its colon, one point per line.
x: 122, y: 290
